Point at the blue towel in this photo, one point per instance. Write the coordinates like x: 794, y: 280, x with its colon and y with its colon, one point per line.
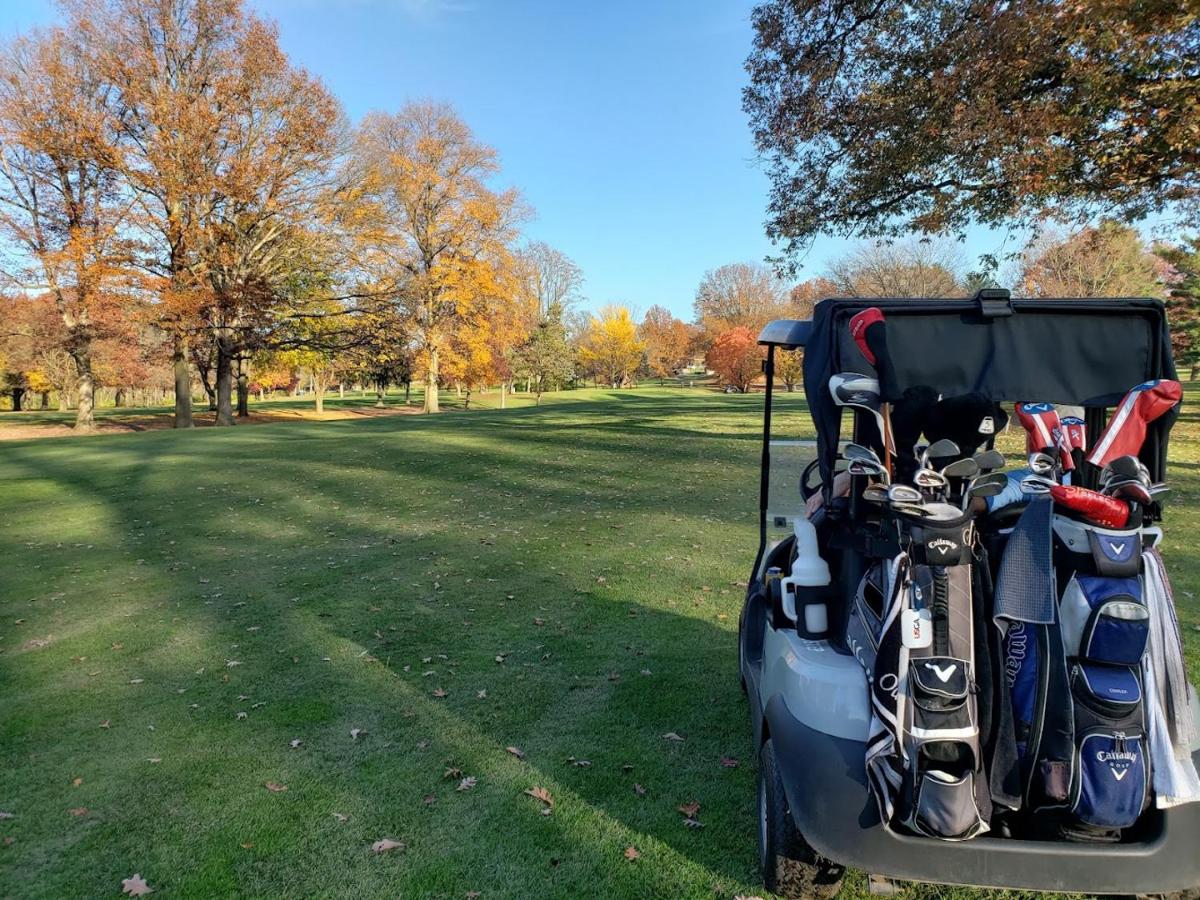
x: 1025, y: 589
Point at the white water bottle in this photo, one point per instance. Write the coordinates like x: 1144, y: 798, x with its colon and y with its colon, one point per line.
x: 808, y: 571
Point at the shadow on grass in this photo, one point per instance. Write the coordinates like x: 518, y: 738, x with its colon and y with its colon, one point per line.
x: 376, y: 552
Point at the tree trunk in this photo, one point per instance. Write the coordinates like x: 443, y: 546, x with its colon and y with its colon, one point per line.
x: 224, y: 381
x: 45, y: 399
x: 341, y: 390
x: 18, y: 394
x: 1195, y: 371
x: 431, y: 381
x: 183, y: 384
x: 503, y: 396
x: 407, y: 392
x: 64, y: 401
x: 380, y: 393
x: 243, y: 389
x: 119, y: 397
x: 318, y: 394
x: 85, y: 411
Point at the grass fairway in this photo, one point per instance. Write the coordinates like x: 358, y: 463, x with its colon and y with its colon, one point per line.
x: 176, y: 609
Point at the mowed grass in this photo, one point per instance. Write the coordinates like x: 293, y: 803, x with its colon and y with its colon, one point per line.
x: 569, y: 576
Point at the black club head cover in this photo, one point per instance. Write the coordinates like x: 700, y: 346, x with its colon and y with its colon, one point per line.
x: 908, y: 423
x: 965, y: 420
x: 869, y: 331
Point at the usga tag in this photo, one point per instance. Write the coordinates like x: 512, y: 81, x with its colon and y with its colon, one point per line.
x: 916, y: 628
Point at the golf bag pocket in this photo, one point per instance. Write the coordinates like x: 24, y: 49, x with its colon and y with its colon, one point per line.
x: 943, y: 750
x: 1111, y: 774
x: 944, y: 544
x: 1090, y: 549
x: 1104, y: 620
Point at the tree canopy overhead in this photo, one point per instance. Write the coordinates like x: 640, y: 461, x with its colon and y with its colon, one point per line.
x: 877, y: 117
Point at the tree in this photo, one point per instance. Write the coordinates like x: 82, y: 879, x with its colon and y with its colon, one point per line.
x: 912, y: 268
x: 736, y: 357
x: 668, y: 342
x: 61, y: 212
x: 1183, y: 300
x: 176, y: 70
x: 877, y: 117
x: 1110, y: 260
x: 545, y: 357
x: 550, y: 277
x: 740, y: 294
x: 432, y: 231
x: 611, y: 349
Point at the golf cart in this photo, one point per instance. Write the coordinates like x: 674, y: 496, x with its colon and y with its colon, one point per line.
x: 921, y: 713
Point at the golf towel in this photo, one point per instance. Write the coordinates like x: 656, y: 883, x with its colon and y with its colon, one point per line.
x: 1172, y: 726
x: 1025, y: 589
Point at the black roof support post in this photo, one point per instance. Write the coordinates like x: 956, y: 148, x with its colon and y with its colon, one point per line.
x: 764, y: 481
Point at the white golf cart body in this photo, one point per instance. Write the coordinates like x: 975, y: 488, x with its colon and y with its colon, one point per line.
x: 810, y: 697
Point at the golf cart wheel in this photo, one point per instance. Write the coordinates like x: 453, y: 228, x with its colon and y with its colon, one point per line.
x: 790, y: 867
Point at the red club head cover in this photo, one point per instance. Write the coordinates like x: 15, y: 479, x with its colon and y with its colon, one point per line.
x: 869, y: 331
x: 1075, y: 432
x: 1107, y: 512
x: 1126, y: 432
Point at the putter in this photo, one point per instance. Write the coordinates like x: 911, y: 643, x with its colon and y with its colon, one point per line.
x: 860, y: 392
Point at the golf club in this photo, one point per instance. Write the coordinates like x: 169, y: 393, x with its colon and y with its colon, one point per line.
x: 869, y: 330
x: 860, y: 392
x: 989, y: 460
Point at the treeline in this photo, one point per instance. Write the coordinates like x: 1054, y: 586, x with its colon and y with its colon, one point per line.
x: 183, y: 209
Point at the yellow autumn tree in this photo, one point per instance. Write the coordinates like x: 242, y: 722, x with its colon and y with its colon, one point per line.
x: 610, y: 348
x: 431, y: 230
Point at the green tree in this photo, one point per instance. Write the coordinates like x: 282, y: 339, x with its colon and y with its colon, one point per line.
x: 1110, y: 260
x: 877, y: 117
x: 546, y: 357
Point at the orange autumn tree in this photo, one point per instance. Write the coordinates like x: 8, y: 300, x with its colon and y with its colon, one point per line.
x: 668, y: 342
x: 432, y: 232
x: 62, y: 210
x: 736, y: 357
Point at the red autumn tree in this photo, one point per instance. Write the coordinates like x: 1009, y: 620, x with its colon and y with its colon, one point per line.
x: 736, y: 357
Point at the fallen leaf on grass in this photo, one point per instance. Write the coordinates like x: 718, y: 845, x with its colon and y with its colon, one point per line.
x: 386, y: 844
x: 693, y: 823
x: 466, y: 784
x: 136, y: 680
x: 440, y: 692
x: 241, y: 715
x: 516, y: 751
x: 429, y: 799
x: 452, y: 772
x: 275, y: 788
x: 107, y: 723
x: 689, y: 809
x: 539, y: 622
x: 355, y: 732
x: 154, y: 759
x: 341, y: 817
x: 639, y: 790
x: 6, y: 815
x: 473, y: 895
x: 248, y: 845
x: 135, y: 886
x: 671, y: 736
x: 631, y: 853
x: 295, y: 743
x: 540, y: 793
x: 78, y: 811
x: 729, y: 762
x: 77, y: 782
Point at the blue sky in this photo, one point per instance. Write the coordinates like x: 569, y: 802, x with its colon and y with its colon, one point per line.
x: 620, y: 121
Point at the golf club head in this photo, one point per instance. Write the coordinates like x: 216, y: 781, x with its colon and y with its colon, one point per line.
x: 858, y: 451
x: 996, y: 478
x: 905, y: 494
x: 1159, y: 487
x: 985, y: 489
x: 989, y: 460
x: 1037, y: 484
x: 1042, y: 463
x: 875, y: 493
x: 962, y: 468
x: 1122, y: 467
x: 929, y: 480
x: 943, y: 449
x: 867, y: 467
x: 1132, y: 491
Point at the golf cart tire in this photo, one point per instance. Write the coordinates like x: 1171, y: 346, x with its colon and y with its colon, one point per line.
x: 790, y: 867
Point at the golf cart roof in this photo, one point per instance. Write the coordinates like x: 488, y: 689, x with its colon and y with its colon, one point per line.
x: 1085, y: 352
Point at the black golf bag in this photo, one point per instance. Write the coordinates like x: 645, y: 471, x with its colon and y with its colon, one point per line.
x: 913, y: 629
